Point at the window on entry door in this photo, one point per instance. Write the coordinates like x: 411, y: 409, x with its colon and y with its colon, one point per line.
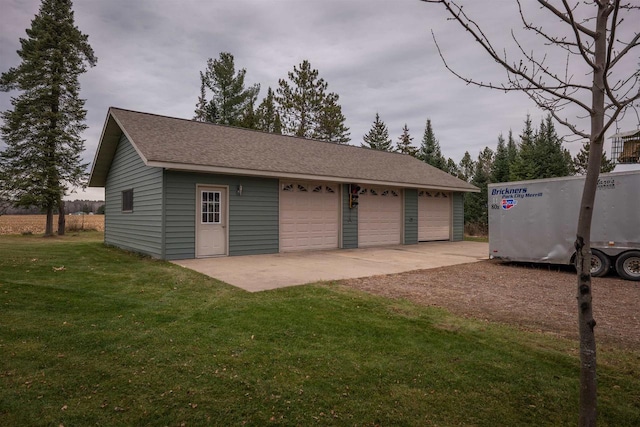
x: 211, y: 207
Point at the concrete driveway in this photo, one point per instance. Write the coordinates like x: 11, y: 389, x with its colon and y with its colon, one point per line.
x: 255, y: 273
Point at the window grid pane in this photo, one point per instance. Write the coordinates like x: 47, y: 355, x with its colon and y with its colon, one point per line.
x: 211, y: 207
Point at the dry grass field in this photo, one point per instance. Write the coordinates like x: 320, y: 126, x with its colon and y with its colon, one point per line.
x: 34, y: 224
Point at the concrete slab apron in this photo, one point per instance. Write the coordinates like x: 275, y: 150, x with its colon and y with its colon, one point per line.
x: 255, y: 273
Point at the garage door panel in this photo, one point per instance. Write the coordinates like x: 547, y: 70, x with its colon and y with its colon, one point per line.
x: 434, y: 215
x: 379, y: 217
x: 309, y: 216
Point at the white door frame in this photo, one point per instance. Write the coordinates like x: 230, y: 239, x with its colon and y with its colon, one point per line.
x: 225, y: 211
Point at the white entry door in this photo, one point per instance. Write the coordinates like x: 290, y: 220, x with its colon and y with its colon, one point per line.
x: 434, y: 215
x: 211, y: 221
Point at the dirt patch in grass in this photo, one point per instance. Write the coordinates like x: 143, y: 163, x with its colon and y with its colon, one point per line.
x: 539, y: 298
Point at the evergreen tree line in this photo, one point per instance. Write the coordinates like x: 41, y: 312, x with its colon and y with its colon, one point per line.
x: 429, y: 150
x: 300, y: 106
x: 538, y: 154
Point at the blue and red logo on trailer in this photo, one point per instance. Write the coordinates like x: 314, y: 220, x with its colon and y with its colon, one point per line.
x: 508, y: 203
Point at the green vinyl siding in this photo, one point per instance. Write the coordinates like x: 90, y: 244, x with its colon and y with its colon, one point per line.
x: 458, y: 217
x: 141, y: 229
x: 253, y: 216
x: 410, y: 216
x: 349, y: 221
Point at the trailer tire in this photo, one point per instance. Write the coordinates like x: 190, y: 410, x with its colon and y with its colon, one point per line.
x: 600, y: 263
x: 628, y: 265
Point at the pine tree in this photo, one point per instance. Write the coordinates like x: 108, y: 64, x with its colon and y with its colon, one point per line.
x: 500, y: 167
x: 525, y: 165
x: 429, y: 151
x: 249, y: 118
x: 404, y: 143
x: 277, y: 125
x: 330, y: 123
x: 267, y: 116
x: 378, y: 136
x: 485, y: 161
x: 476, y: 204
x: 580, y: 161
x: 42, y: 132
x: 206, y: 111
x: 452, y: 168
x: 230, y: 99
x: 307, y: 110
x: 201, y: 105
x: 512, y: 150
x: 466, y: 167
x: 541, y: 153
x: 552, y: 158
x: 301, y: 100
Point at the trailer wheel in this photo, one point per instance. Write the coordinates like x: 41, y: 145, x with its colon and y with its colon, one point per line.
x: 600, y: 263
x: 628, y: 265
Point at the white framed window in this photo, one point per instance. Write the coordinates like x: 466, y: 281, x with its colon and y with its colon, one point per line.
x: 210, y: 207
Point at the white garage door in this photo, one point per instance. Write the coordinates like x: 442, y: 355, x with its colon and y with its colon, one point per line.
x: 379, y: 216
x: 309, y: 216
x: 434, y: 215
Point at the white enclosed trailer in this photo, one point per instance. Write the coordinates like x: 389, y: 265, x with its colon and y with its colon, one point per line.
x: 536, y: 221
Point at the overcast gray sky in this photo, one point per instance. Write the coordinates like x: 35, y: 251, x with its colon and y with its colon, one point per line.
x: 377, y: 55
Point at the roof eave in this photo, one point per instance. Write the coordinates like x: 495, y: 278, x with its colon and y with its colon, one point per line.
x: 107, y: 147
x: 289, y: 175
x: 106, y: 150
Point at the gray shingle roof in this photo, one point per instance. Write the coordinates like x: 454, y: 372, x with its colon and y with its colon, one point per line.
x: 188, y: 145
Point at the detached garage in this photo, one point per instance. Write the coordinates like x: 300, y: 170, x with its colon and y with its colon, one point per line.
x: 177, y: 189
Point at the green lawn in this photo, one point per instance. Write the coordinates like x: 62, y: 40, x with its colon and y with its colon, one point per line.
x: 484, y: 239
x: 118, y: 339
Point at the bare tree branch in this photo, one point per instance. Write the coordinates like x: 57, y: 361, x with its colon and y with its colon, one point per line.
x: 517, y: 70
x: 562, y: 16
x: 574, y: 26
x: 635, y: 42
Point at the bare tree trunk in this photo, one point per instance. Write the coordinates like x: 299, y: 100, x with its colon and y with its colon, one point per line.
x: 61, y: 217
x: 586, y: 322
x: 48, y: 229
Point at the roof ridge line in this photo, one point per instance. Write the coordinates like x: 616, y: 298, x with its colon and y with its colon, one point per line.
x: 254, y: 130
